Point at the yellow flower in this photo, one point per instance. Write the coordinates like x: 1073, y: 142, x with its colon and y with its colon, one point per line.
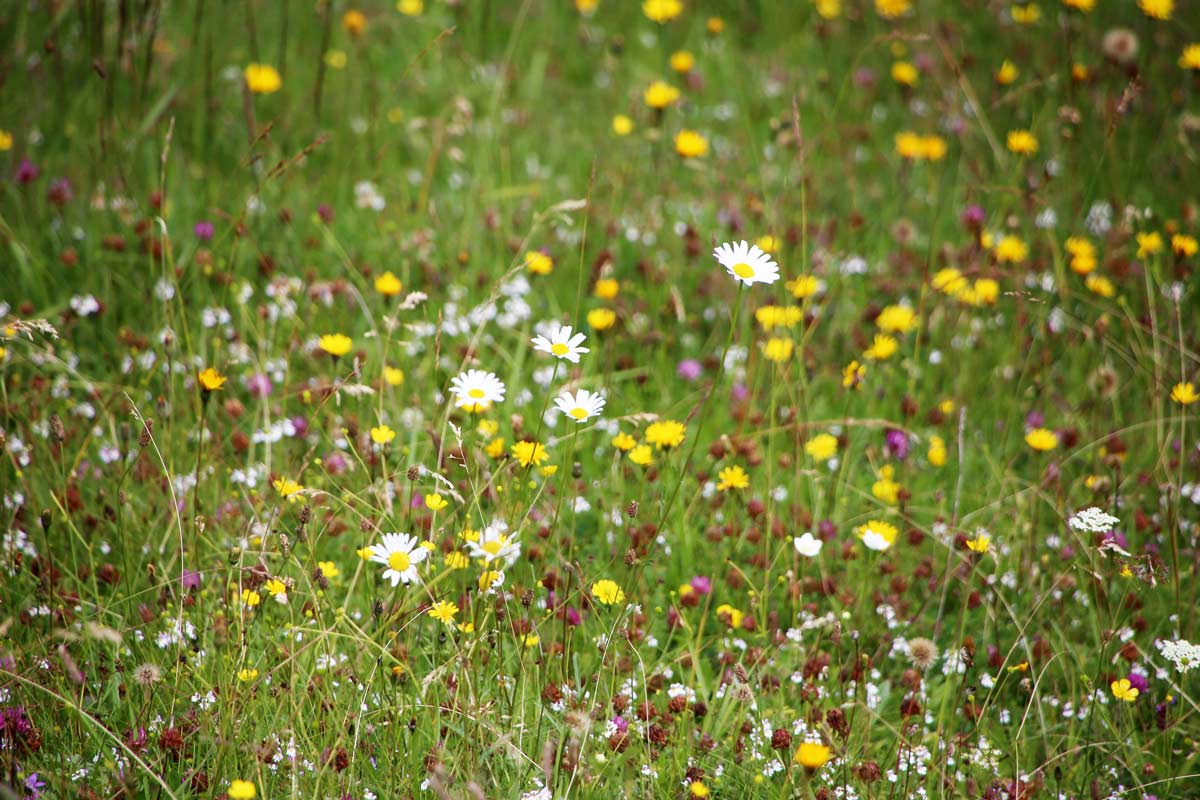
x: 731, y: 615
x: 896, y: 319
x: 336, y: 59
x: 777, y: 349
x: 287, y: 487
x: 411, y: 8
x: 607, y: 592
x: 882, y: 348
x: 530, y: 640
x: 607, y: 288
x: 1183, y: 245
x: 622, y: 125
x: 691, y: 144
x: 811, y: 755
x: 909, y: 145
x: 877, y: 534
x: 932, y: 148
x: 388, y: 284
x: 948, y: 280
x: 6, y: 141
x: 1022, y: 142
x: 538, y: 263
x: 666, y: 433
x: 885, y: 489
x: 495, y: 447
x: 241, y: 790
x: 529, y: 453
x: 443, y: 611
x: 275, y: 587
x: 393, y: 375
x: 714, y: 25
x: 803, y: 286
x: 1007, y: 73
x: 1079, y: 72
x: 1149, y: 244
x: 329, y: 569
x: 904, y: 73
x: 586, y: 6
x: 1189, y: 60
x: 262, y: 79
x: 698, y: 790
x: 821, y: 447
x: 1157, y: 9
x: 642, y: 455
x: 457, y: 560
x: 1124, y: 690
x: 245, y: 675
x: 1100, y: 285
x: 828, y: 9
x: 1011, y: 250
x: 336, y: 344
x: 732, y: 478
x: 853, y: 374
x: 682, y: 61
x: 777, y: 316
x: 937, y: 451
x: 624, y: 442
x: 1026, y: 15
x: 1184, y: 394
x: 986, y: 291
x: 354, y: 22
x: 892, y: 9
x: 661, y: 11
x: 601, y: 319
x: 979, y: 544
x: 250, y: 598
x: 211, y: 380
x: 382, y: 434
x: 660, y: 95
x: 435, y: 502
x: 1085, y: 6
x: 1041, y: 439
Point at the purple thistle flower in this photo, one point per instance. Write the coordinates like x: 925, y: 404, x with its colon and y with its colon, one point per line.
x: 204, y: 230
x: 689, y: 369
x: 896, y: 444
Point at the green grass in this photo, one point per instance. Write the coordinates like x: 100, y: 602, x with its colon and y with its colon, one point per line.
x: 486, y: 129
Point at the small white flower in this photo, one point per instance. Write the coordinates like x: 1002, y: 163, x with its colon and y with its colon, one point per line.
x: 476, y: 390
x: 747, y: 263
x: 495, y: 544
x: 561, y: 344
x: 581, y: 406
x: 808, y: 545
x: 400, y: 553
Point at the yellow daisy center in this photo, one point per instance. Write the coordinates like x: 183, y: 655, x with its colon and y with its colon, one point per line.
x: 493, y: 547
x: 559, y: 349
x: 399, y: 561
x: 743, y: 270
x: 578, y: 412
x: 476, y: 393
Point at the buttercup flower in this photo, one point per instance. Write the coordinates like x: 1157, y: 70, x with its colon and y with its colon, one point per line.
x: 382, y: 434
x: 262, y: 78
x: 747, y: 263
x: 607, y: 592
x: 335, y: 344
x: 1123, y: 689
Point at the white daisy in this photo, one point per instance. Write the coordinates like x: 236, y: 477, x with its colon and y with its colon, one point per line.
x: 495, y: 544
x: 581, y: 406
x: 476, y: 390
x: 808, y: 545
x: 747, y: 263
x: 401, y: 553
x: 561, y: 344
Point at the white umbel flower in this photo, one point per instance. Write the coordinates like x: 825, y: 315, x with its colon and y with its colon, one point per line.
x: 808, y: 545
x: 561, y: 344
x: 1182, y: 653
x: 400, y: 553
x: 476, y: 390
x: 495, y: 544
x: 1093, y: 520
x: 747, y: 263
x: 580, y: 406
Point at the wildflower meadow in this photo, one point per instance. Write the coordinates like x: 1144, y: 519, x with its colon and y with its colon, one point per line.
x: 465, y: 399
